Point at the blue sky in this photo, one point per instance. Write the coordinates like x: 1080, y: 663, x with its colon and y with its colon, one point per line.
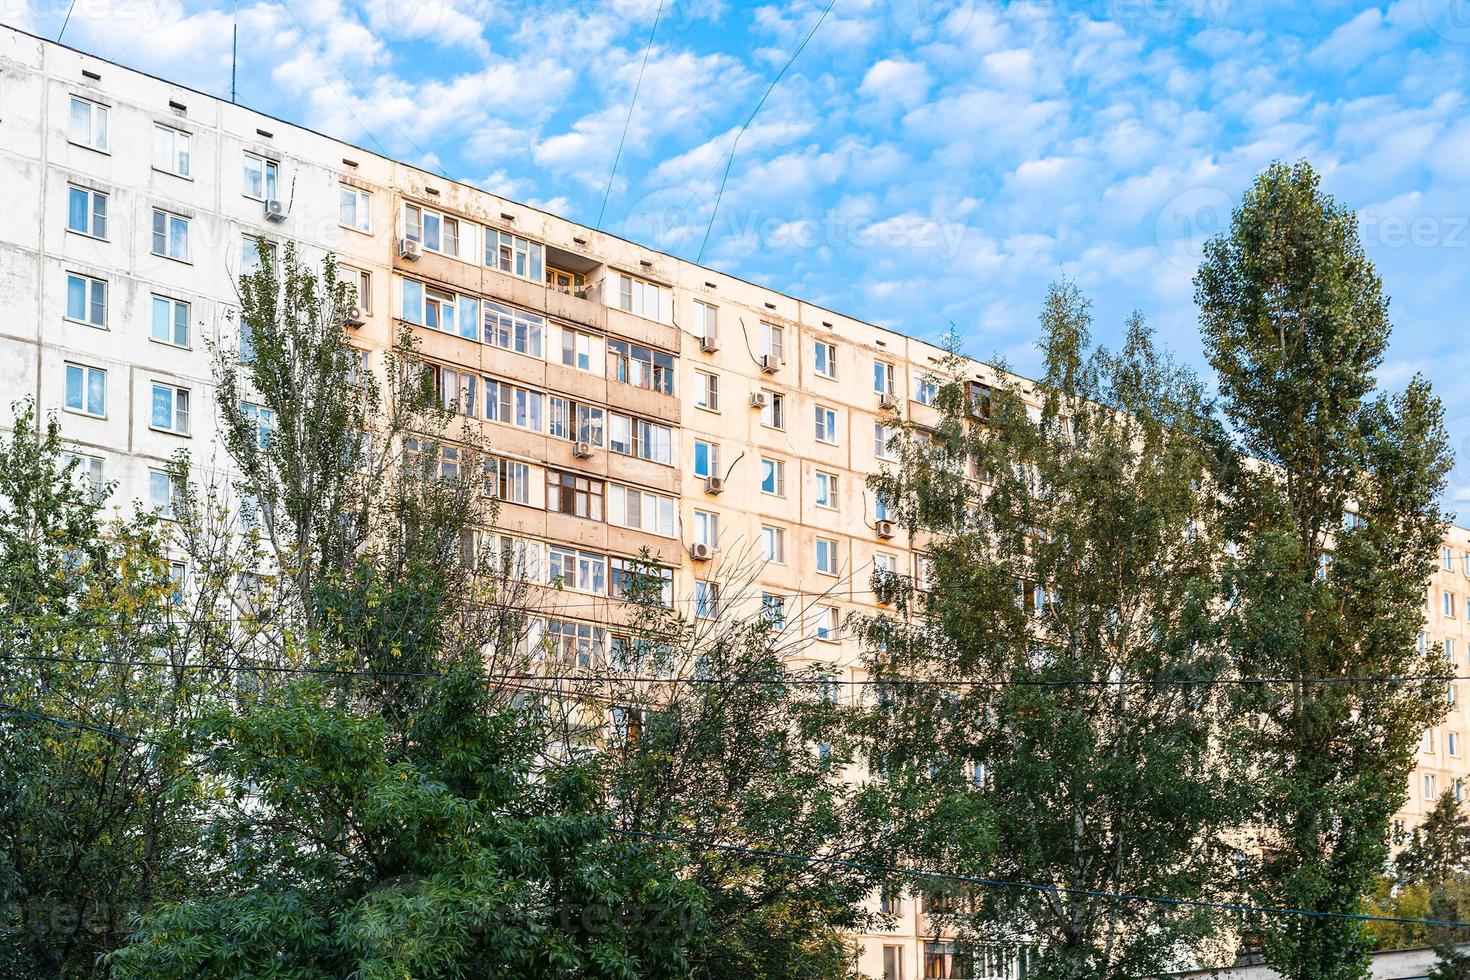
x: 924, y: 161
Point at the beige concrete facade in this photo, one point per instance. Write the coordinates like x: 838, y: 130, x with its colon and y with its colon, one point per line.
x: 794, y: 473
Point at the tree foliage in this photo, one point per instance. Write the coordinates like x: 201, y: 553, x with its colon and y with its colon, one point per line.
x: 1075, y: 551
x: 1295, y: 325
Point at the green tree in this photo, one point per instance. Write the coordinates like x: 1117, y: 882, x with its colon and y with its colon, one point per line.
x: 1073, y: 530
x: 1430, y: 880
x: 98, y: 796
x: 1295, y: 324
x: 725, y: 733
x: 404, y: 811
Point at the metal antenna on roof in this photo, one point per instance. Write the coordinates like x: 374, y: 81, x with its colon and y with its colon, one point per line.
x: 234, y: 45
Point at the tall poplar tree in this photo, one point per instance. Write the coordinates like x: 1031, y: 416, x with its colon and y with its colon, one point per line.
x: 1073, y: 530
x: 1338, y: 525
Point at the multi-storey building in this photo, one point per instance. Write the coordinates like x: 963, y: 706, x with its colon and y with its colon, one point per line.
x: 632, y: 400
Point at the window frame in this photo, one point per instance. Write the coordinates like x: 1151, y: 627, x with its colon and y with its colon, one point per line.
x: 178, y: 408
x: 778, y: 476
x: 95, y: 110
x: 93, y: 217
x: 87, y: 372
x: 91, y: 285
x: 831, y: 359
x: 708, y: 399
x: 169, y: 219
x: 270, y: 177
x: 831, y: 480
x: 174, y: 306
x: 362, y: 205
x: 174, y: 134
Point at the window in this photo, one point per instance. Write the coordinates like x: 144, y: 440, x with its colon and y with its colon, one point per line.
x: 773, y: 412
x: 773, y: 544
x: 638, y: 296
x: 512, y: 405
x: 178, y: 575
x: 252, y: 260
x: 514, y: 558
x: 882, y: 509
x: 508, y: 480
x: 890, y: 902
x: 86, y: 211
x: 883, y: 437
x: 1449, y: 604
x: 706, y: 459
x: 170, y: 235
x: 170, y: 150
x: 576, y: 422
x: 512, y: 329
x: 824, y: 362
x: 87, y: 471
x: 826, y: 425
x: 640, y: 510
x: 980, y: 401
x: 706, y: 599
x: 827, y: 556
x: 639, y: 581
x: 706, y: 320
x: 578, y: 349
x: 86, y: 300
x: 640, y: 366
x: 1429, y: 793
x: 262, y: 419
x: 513, y: 254
x: 260, y: 177
x: 1446, y: 558
x: 575, y: 644
x: 86, y: 390
x: 170, y: 321
x: 581, y: 571
x: 892, y: 955
x: 87, y: 124
x: 883, y: 377
x: 434, y: 231
x: 163, y: 494
x: 1452, y: 743
x: 569, y: 493
x: 942, y: 960
x: 773, y: 477
x: 827, y: 624
x: 354, y: 208
x: 826, y: 490
x: 885, y: 568
x: 458, y: 391
x: 362, y: 288
x: 773, y: 610
x: 926, y: 389
x: 1449, y: 648
x: 170, y: 409
x: 772, y: 340
x: 707, y: 529
x: 707, y: 391
x: 646, y: 440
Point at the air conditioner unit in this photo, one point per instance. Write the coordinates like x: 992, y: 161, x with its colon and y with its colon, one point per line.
x: 709, y: 343
x: 770, y: 363
x: 758, y: 399
x: 409, y: 250
x: 274, y: 210
x: 582, y: 449
x: 885, y: 529
x: 888, y: 401
x: 714, y: 484
x: 699, y: 551
x: 353, y: 317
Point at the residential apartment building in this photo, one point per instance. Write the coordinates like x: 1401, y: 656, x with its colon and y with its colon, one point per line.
x: 632, y: 400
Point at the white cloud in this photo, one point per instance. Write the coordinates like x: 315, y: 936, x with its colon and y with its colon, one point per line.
x: 897, y: 82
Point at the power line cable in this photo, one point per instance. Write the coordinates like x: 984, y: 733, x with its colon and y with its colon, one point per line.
x: 1037, y: 886
x: 628, y: 121
x: 791, y: 681
x: 736, y: 142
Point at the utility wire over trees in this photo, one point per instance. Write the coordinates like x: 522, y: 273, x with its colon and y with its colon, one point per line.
x: 1080, y: 543
x: 1338, y: 527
